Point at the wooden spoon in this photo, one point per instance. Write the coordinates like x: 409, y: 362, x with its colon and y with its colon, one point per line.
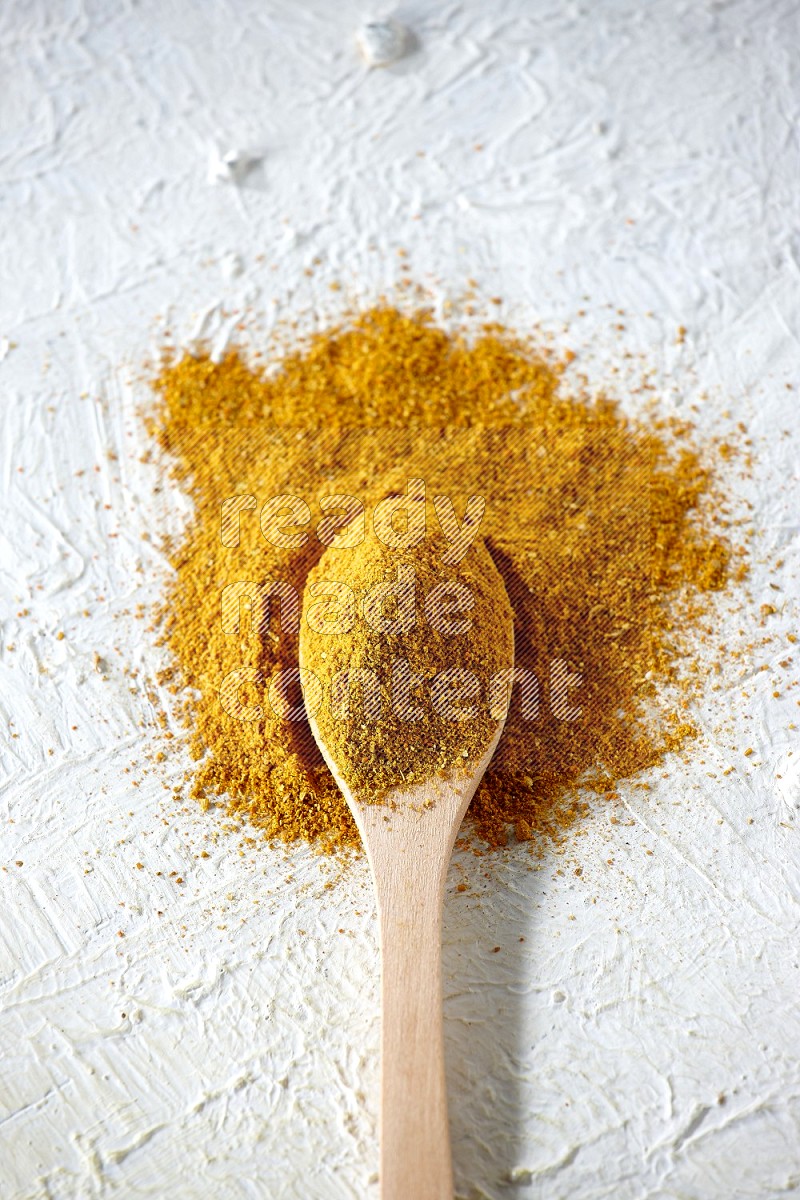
x: 408, y: 839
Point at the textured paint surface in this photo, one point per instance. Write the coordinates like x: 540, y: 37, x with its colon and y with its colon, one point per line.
x: 174, y: 165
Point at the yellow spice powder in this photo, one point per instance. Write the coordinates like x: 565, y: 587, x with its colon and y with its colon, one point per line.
x: 592, y: 520
x: 407, y: 656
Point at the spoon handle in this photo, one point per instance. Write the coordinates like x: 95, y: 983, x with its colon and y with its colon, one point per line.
x: 409, y: 866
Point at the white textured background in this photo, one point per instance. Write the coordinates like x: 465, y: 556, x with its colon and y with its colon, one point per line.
x: 642, y: 155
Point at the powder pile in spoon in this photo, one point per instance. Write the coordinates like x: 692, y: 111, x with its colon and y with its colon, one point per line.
x: 408, y: 657
x: 599, y: 525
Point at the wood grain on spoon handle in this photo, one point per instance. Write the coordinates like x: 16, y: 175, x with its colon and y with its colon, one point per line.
x: 409, y: 862
x: 409, y: 848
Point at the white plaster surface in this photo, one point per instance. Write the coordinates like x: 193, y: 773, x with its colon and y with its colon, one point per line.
x: 641, y: 1043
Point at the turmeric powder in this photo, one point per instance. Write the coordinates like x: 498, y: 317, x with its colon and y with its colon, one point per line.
x: 591, y: 518
x: 427, y: 645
